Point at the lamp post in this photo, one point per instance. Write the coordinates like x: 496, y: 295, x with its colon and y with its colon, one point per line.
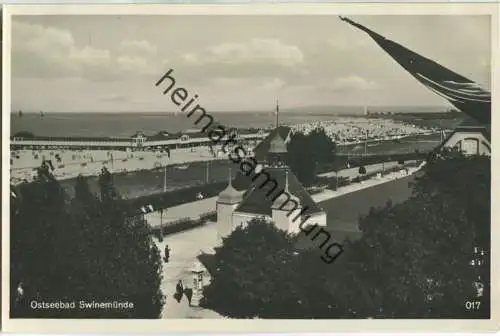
x: 197, y: 272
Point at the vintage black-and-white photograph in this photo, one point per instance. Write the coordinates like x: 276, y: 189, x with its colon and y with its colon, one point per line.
x: 250, y: 166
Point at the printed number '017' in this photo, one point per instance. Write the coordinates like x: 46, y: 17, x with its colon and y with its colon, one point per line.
x: 472, y: 305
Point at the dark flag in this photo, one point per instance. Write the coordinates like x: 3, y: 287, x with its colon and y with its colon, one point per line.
x: 464, y: 94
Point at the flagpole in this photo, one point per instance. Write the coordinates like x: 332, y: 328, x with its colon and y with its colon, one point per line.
x: 164, y: 190
x: 366, y: 142
x: 277, y: 112
x: 207, y: 172
x: 165, y: 178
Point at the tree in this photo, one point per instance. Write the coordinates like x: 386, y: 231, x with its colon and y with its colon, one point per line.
x: 324, y: 149
x: 414, y: 258
x: 81, y: 249
x: 41, y: 244
x: 300, y: 158
x: 133, y: 267
x: 24, y: 134
x: 257, y: 273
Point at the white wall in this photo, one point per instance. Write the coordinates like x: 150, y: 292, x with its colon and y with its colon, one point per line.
x: 225, y: 218
x: 461, y: 136
x: 318, y: 218
x: 241, y: 219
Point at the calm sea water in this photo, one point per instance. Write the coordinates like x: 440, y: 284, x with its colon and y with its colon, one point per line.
x: 126, y: 124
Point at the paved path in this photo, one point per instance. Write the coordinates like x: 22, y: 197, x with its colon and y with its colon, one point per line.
x: 354, y: 172
x: 195, y: 209
x: 185, y: 247
x: 343, y: 212
x: 187, y: 210
x: 343, y: 208
x: 328, y: 194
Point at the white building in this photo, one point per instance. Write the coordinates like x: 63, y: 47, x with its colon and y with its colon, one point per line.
x: 275, y: 194
x: 471, y: 138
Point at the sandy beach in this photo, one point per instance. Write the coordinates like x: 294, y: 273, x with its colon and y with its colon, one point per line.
x: 70, y: 163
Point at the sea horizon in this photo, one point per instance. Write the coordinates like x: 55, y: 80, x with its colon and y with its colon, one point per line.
x: 67, y: 124
x: 335, y: 109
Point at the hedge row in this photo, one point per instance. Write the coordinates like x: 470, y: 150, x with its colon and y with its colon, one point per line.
x: 341, y: 160
x: 182, y: 225
x: 344, y: 181
x: 172, y: 198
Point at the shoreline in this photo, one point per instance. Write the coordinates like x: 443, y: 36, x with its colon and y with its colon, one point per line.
x: 181, y: 157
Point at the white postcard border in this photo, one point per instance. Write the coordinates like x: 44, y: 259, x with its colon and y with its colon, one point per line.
x: 234, y: 325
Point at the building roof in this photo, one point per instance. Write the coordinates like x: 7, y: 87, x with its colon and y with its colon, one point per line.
x: 262, y: 149
x: 230, y: 195
x: 469, y: 122
x: 277, y: 145
x: 285, y: 201
x: 471, y: 125
x: 468, y: 125
x: 75, y: 138
x: 257, y: 201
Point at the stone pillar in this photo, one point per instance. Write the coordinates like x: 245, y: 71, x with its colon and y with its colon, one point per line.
x: 198, y: 273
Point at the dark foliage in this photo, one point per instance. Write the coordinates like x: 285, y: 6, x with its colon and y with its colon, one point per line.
x: 413, y: 259
x: 23, y: 134
x: 81, y: 249
x: 175, y: 197
x: 324, y: 149
x: 255, y: 270
x: 183, y: 225
x: 319, y: 148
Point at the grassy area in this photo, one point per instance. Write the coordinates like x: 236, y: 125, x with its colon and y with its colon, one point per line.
x: 343, y: 212
x: 147, y: 182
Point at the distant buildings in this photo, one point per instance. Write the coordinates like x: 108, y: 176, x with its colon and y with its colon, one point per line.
x: 138, y: 141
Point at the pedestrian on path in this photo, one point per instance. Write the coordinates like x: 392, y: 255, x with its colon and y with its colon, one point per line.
x: 179, y: 291
x: 167, y: 254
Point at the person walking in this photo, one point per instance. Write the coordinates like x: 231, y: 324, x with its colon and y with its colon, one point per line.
x: 179, y: 291
x: 167, y: 254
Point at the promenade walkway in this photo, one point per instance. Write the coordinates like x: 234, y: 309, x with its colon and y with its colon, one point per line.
x: 186, y: 246
x: 354, y: 172
x: 328, y: 194
x: 194, y: 209
x: 187, y: 210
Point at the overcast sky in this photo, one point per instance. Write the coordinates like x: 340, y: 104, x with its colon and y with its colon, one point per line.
x: 110, y: 63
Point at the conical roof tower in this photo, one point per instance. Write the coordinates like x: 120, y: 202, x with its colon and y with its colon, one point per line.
x: 230, y: 195
x: 287, y: 201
